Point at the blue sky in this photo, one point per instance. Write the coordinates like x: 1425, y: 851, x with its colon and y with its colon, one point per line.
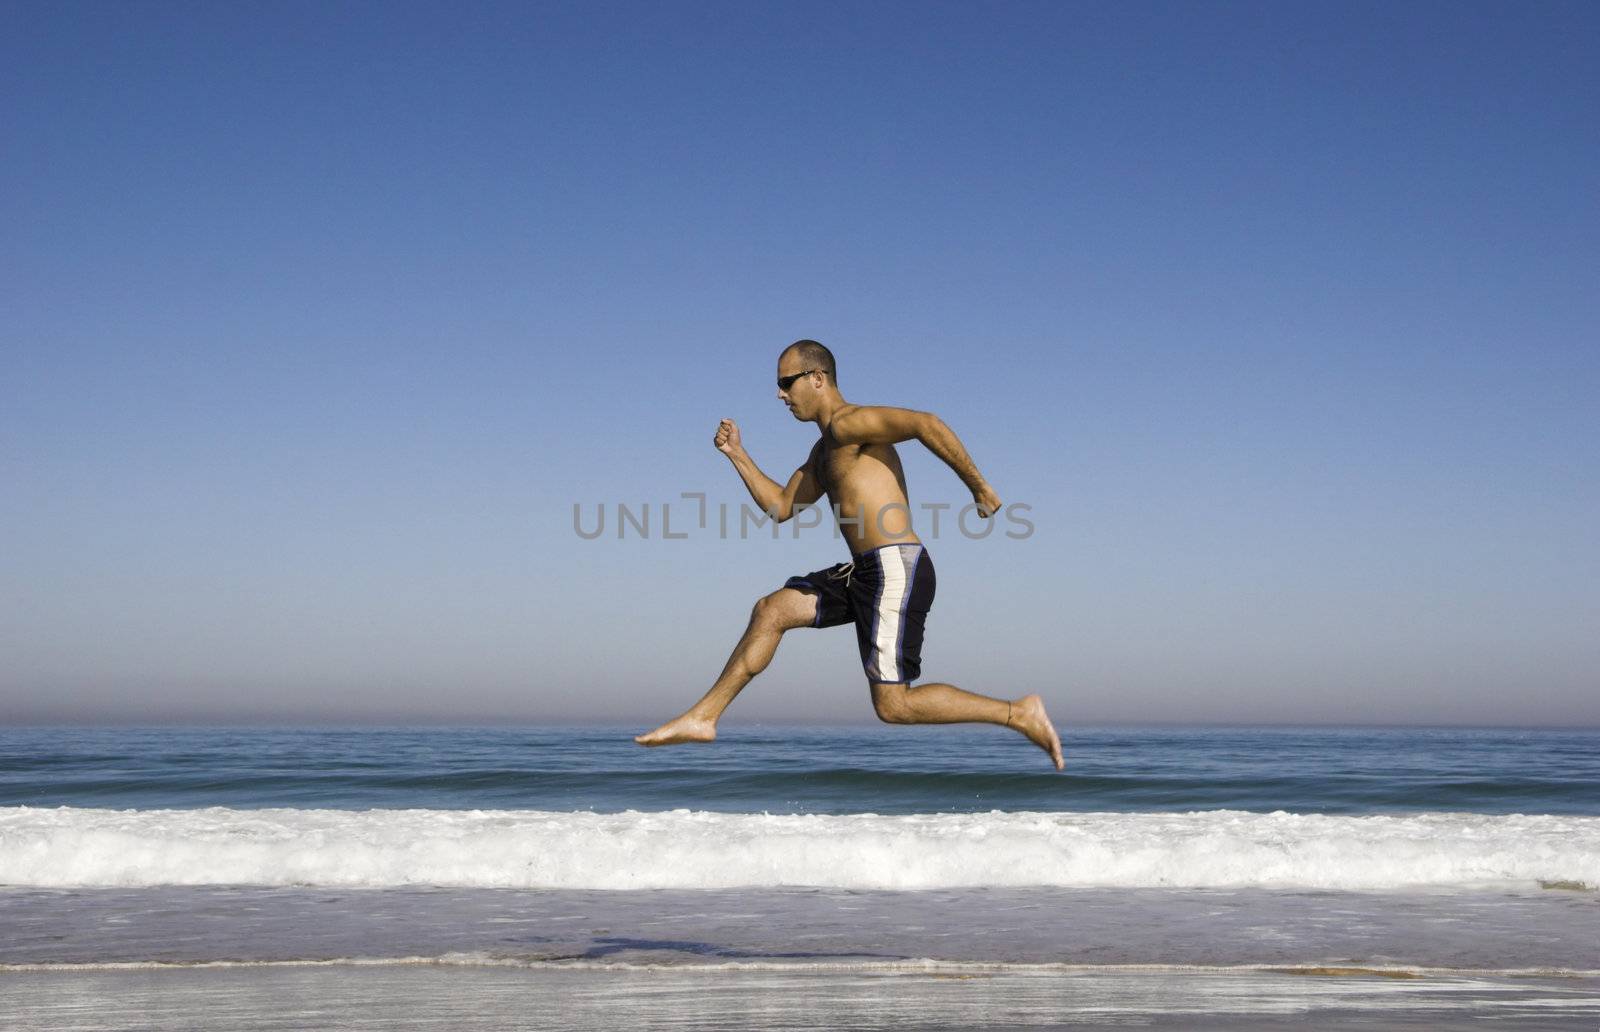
x: 319, y: 320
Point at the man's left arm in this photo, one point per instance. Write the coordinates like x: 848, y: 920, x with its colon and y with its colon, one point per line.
x: 881, y: 424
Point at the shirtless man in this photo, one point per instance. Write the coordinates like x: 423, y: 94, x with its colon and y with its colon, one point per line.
x: 887, y: 588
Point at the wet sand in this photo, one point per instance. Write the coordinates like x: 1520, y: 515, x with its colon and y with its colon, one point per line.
x: 467, y: 998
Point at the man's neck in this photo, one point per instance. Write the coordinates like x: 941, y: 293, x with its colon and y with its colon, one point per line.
x: 829, y: 407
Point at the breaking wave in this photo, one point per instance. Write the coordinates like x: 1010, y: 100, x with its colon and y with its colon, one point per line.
x: 680, y: 849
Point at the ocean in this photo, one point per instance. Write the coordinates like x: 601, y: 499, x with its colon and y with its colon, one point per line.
x: 798, y: 877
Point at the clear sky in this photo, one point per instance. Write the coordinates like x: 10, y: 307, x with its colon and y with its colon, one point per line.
x: 319, y: 319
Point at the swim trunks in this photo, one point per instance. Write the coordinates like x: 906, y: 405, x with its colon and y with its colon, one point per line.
x: 887, y: 593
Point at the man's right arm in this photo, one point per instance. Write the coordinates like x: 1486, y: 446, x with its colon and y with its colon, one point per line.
x: 778, y: 502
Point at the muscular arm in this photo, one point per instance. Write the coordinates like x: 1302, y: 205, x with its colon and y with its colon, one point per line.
x: 880, y: 424
x: 803, y: 487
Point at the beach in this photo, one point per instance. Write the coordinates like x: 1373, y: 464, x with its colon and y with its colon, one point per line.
x: 436, y: 997
x: 849, y: 878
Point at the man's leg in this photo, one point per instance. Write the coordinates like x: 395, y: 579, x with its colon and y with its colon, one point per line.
x: 939, y: 703
x: 783, y: 610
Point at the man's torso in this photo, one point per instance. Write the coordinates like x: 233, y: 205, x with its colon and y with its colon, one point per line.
x: 865, y: 482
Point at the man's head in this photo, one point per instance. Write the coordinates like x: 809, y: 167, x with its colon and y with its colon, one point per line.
x: 806, y: 378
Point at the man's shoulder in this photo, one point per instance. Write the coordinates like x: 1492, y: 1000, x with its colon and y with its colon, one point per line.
x: 842, y: 412
x: 874, y: 425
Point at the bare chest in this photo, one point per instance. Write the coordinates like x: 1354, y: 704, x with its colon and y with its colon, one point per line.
x: 846, y: 467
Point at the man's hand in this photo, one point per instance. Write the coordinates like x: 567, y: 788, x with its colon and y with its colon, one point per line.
x: 727, y: 439
x: 988, y: 502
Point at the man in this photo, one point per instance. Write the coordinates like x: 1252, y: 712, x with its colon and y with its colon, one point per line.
x: 887, y: 588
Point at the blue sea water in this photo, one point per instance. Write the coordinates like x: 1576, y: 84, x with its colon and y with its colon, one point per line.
x: 475, y: 877
x: 830, y: 770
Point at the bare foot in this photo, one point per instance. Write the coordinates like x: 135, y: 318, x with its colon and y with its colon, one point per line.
x: 1029, y: 717
x: 682, y: 729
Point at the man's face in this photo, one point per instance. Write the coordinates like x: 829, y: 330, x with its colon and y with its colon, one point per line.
x: 801, y: 394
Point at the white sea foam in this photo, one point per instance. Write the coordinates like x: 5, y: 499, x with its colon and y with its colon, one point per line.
x: 69, y: 847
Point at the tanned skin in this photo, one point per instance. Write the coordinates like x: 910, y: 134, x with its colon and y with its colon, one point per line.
x: 855, y: 464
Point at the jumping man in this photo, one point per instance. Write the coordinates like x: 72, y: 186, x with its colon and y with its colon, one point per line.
x: 886, y: 589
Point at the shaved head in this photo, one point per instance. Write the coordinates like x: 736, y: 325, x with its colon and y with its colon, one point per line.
x: 811, y: 355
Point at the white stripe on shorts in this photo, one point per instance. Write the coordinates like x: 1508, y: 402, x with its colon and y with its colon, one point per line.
x: 891, y: 603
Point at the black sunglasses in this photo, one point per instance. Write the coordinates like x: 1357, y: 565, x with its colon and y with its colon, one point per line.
x: 785, y: 382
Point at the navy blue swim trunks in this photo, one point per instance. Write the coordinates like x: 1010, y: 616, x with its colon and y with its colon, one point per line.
x: 886, y: 592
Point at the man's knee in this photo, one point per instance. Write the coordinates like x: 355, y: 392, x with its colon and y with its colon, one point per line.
x: 771, y: 611
x: 889, y: 702
x: 783, y: 610
x: 765, y: 610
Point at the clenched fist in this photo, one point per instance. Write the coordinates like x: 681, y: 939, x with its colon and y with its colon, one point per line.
x: 727, y: 439
x: 988, y: 502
